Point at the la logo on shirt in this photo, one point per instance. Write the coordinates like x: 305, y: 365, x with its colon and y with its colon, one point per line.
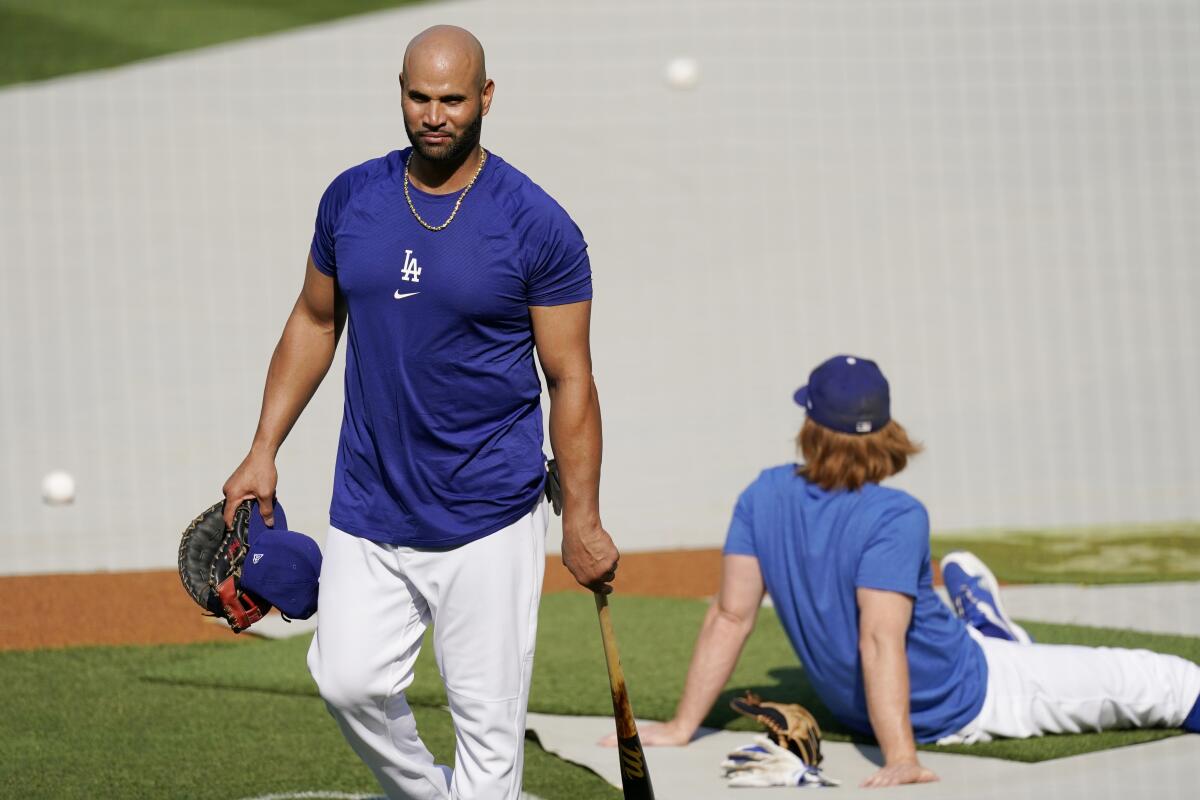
x: 411, y: 271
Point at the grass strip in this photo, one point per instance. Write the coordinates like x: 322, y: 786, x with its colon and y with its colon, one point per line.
x: 1130, y: 554
x: 40, y: 40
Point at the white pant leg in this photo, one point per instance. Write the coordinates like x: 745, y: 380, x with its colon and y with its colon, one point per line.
x: 483, y: 598
x: 369, y: 631
x: 1035, y: 689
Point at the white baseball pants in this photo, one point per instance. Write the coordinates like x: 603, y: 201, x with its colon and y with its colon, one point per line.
x: 1035, y: 689
x: 376, y: 601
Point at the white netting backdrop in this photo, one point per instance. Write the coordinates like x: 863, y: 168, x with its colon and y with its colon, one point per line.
x: 996, y: 200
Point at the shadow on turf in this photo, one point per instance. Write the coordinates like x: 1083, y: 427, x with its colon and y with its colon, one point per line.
x: 568, y: 681
x: 791, y: 686
x: 218, y: 685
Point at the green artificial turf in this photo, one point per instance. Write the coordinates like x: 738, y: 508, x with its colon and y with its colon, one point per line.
x: 83, y: 723
x: 1128, y: 554
x: 42, y: 39
x: 242, y: 719
x: 656, y: 637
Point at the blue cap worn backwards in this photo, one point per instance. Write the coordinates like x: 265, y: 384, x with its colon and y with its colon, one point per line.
x: 282, y: 566
x: 848, y: 394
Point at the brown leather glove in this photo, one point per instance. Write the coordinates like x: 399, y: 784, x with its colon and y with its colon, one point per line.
x: 790, y: 725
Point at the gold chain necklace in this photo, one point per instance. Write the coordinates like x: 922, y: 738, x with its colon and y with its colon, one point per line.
x: 435, y: 228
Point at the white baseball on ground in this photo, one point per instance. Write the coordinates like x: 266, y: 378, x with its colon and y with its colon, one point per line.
x: 58, y: 488
x: 683, y: 73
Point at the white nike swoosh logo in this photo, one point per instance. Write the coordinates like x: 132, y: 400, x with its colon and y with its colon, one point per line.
x: 399, y: 296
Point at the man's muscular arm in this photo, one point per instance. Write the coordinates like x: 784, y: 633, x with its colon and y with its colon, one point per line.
x: 727, y: 625
x: 882, y: 627
x: 300, y: 361
x: 561, y: 336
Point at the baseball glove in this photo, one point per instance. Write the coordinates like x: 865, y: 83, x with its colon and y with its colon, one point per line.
x: 210, y: 566
x: 791, y: 725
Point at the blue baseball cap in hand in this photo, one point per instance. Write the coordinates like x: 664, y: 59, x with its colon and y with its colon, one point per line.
x: 848, y: 394
x: 258, y: 524
x: 283, y: 567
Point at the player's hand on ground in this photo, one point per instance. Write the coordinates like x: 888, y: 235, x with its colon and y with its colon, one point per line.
x: 254, y: 479
x: 590, y: 555
x: 896, y: 774
x: 668, y: 734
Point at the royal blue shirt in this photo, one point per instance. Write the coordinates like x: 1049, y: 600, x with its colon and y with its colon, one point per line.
x: 815, y: 548
x: 441, y: 439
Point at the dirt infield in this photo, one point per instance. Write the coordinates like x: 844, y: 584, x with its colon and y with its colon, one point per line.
x: 151, y: 607
x: 100, y: 608
x: 106, y: 608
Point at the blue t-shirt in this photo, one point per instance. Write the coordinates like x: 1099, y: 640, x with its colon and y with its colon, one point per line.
x: 441, y: 439
x: 815, y: 548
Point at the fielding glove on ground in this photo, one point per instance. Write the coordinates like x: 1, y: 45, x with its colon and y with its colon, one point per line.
x: 766, y: 763
x: 791, y: 725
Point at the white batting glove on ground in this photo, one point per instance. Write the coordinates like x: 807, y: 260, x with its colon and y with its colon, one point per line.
x: 765, y: 763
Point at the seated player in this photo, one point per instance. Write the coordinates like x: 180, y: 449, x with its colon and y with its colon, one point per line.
x: 847, y: 565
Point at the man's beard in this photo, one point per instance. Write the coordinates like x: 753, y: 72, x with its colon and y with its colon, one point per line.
x: 457, y: 149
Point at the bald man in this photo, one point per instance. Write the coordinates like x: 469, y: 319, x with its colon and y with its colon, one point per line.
x: 452, y: 267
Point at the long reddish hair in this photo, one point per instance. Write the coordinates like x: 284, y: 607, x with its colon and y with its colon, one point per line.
x: 835, y: 460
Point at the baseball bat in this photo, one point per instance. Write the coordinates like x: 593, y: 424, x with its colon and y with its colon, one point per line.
x: 635, y: 776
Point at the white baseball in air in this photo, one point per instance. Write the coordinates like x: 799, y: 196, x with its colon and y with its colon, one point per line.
x: 683, y: 73
x: 58, y: 488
